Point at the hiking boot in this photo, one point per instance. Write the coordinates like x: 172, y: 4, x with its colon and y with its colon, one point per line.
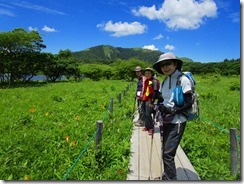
x: 138, y: 124
x: 144, y: 129
x: 163, y: 178
x: 150, y: 131
x: 142, y: 122
x: 158, y: 178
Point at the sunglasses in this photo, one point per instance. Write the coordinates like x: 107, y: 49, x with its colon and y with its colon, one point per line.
x: 167, y: 63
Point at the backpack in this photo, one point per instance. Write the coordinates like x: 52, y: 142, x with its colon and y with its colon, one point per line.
x: 178, y: 97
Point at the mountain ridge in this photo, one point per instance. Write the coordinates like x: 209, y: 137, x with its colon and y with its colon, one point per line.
x: 109, y: 54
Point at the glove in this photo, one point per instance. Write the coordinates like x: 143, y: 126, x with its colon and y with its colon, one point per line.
x: 166, y: 110
x: 187, y: 105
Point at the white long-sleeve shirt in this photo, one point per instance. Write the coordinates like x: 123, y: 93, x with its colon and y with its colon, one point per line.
x: 167, y: 87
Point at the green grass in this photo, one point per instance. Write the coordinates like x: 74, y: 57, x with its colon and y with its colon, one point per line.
x: 36, y: 121
x: 45, y: 128
x: 207, y: 143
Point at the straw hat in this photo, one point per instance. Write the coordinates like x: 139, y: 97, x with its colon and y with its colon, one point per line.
x: 169, y: 56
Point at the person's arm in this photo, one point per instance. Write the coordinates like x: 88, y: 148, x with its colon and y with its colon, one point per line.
x: 177, y: 110
x: 187, y: 104
x: 156, y: 92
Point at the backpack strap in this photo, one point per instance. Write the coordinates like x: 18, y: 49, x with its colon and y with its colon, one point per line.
x: 163, y: 82
x: 178, y: 81
x: 155, y: 84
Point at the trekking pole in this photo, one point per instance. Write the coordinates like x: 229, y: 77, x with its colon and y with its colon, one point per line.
x: 150, y: 158
x: 138, y: 153
x: 134, y: 106
x: 159, y: 118
x: 161, y: 159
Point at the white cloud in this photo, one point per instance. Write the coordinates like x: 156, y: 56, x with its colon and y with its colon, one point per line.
x: 180, y: 14
x: 37, y: 7
x: 169, y: 47
x: 6, y: 6
x: 6, y: 12
x: 119, y: 29
x: 48, y: 29
x: 30, y: 28
x: 160, y: 36
x: 235, y: 17
x: 150, y: 47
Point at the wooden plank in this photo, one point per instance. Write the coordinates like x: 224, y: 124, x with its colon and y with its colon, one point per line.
x: 186, y: 165
x: 140, y: 149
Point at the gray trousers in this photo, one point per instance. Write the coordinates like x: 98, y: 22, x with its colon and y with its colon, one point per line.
x: 147, y: 115
x: 172, y: 134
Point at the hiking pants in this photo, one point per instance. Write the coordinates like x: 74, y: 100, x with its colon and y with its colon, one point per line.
x: 139, y: 102
x: 147, y: 115
x: 172, y: 134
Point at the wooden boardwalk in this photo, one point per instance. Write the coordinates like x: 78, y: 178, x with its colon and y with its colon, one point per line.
x: 141, y: 148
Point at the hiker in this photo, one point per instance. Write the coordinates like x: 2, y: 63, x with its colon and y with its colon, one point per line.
x: 174, y: 118
x: 149, y: 95
x: 138, y: 95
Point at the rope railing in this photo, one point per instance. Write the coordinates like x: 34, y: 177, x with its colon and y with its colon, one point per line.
x: 80, y: 155
x: 234, y: 138
x: 217, y: 126
x: 108, y: 110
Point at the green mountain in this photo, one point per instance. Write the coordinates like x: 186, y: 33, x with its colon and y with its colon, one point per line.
x: 109, y: 54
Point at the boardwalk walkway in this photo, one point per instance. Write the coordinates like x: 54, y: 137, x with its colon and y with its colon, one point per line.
x: 141, y: 147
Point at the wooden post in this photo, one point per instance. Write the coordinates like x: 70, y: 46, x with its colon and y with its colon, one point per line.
x: 111, y: 105
x: 99, y: 134
x: 233, y: 151
x: 119, y: 97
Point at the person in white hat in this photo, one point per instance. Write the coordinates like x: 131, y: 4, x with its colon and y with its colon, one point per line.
x: 138, y: 95
x: 174, y: 117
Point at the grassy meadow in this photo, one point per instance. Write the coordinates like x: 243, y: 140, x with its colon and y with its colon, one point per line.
x: 45, y: 127
x: 207, y: 142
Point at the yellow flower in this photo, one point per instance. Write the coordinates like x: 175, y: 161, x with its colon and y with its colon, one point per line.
x: 72, y: 143
x: 77, y: 118
x: 67, y: 138
x: 27, y: 177
x: 32, y: 109
x: 47, y: 113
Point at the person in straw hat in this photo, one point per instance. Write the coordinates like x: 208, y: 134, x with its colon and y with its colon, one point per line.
x: 174, y: 119
x: 149, y: 95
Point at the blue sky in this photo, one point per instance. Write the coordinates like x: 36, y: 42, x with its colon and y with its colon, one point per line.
x: 203, y: 30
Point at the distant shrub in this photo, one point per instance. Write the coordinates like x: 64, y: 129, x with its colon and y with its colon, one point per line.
x: 235, y: 87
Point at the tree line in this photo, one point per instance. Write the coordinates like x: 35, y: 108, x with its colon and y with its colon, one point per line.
x: 21, y: 58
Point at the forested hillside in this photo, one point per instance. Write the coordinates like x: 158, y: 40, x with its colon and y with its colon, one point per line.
x: 21, y: 58
x: 108, y: 54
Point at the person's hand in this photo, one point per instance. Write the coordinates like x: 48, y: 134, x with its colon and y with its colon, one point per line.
x: 166, y: 110
x: 150, y: 105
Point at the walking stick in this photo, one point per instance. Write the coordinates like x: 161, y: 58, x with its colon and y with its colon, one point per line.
x: 161, y: 138
x: 138, y: 153
x: 150, y: 159
x: 134, y: 105
x: 158, y: 117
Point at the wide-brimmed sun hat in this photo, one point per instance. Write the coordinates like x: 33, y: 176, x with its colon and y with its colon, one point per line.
x: 168, y: 56
x: 149, y: 69
x: 138, y: 69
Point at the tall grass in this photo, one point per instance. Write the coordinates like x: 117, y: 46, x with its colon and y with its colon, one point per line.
x: 45, y: 128
x: 207, y: 142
